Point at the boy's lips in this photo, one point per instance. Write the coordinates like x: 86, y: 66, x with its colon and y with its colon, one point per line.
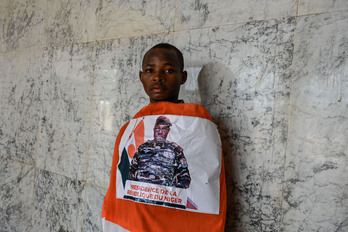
x: 158, y: 88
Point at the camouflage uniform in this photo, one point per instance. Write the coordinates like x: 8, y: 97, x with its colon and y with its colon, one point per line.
x: 160, y: 163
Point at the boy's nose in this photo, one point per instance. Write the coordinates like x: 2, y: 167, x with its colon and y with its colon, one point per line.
x: 158, y: 77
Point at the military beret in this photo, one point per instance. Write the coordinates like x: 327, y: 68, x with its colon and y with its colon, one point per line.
x: 162, y: 120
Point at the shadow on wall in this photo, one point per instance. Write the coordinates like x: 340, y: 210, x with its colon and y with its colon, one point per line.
x: 216, y: 85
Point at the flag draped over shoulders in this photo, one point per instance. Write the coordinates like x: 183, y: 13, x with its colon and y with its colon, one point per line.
x: 167, y: 172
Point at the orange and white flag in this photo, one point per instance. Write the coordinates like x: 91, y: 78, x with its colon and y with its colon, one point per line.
x: 176, y: 183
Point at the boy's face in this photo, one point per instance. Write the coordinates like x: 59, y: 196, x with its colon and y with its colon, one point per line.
x: 161, y: 75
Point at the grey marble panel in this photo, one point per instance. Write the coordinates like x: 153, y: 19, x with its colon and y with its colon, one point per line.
x: 118, y: 95
x: 93, y: 212
x: 189, y: 91
x: 204, y: 13
x: 316, y: 190
x: 66, y: 111
x: 20, y: 99
x: 321, y: 6
x: 3, y: 14
x: 70, y: 21
x: 244, y: 83
x: 58, y: 203
x: 23, y: 24
x: 133, y: 18
x: 16, y: 195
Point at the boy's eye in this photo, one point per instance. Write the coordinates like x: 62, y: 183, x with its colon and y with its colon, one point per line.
x: 149, y: 70
x: 169, y: 70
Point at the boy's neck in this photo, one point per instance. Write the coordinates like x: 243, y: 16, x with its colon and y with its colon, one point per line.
x: 177, y: 101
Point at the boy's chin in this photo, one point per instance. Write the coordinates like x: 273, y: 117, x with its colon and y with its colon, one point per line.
x: 162, y: 99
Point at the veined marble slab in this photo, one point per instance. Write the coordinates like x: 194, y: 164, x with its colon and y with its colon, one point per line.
x: 316, y: 190
x: 23, y: 24
x: 3, y: 14
x: 16, y: 195
x: 244, y: 83
x: 21, y: 86
x: 321, y: 6
x: 206, y: 13
x: 70, y: 21
x: 94, y: 198
x: 64, y: 138
x: 133, y: 18
x: 58, y: 203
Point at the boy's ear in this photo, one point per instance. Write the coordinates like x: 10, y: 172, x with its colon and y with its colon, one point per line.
x: 140, y: 74
x: 184, y: 77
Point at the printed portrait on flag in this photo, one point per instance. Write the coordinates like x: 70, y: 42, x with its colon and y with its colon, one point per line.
x: 159, y: 161
x: 171, y: 161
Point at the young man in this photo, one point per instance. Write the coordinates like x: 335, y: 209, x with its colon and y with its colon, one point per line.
x: 153, y: 186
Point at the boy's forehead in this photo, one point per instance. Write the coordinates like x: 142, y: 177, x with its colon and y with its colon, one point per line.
x: 164, y: 55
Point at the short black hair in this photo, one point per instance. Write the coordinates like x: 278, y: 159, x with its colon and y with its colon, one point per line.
x: 169, y: 47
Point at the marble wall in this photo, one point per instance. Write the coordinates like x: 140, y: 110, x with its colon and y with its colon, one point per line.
x: 273, y: 74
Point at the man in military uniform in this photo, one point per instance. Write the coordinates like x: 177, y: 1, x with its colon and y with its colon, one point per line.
x: 160, y: 161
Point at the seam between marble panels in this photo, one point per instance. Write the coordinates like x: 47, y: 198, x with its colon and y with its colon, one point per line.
x: 234, y: 23
x: 35, y: 167
x: 90, y: 134
x: 288, y: 126
x: 91, y: 112
x: 297, y: 5
x: 97, y: 186
x: 32, y: 210
x: 320, y: 13
x: 175, y: 13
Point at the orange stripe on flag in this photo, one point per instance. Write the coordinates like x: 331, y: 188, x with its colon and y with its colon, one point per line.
x: 136, y: 138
